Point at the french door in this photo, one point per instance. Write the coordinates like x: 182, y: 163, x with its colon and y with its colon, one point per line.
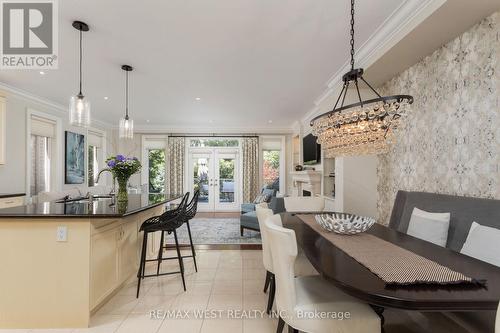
x: 215, y: 172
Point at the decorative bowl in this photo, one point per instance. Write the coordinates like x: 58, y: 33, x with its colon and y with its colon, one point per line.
x: 343, y: 223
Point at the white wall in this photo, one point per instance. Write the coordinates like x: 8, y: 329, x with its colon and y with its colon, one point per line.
x: 13, y: 173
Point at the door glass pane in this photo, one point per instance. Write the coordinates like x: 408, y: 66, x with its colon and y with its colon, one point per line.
x: 200, y: 178
x: 271, y: 169
x: 226, y: 180
x: 157, y: 166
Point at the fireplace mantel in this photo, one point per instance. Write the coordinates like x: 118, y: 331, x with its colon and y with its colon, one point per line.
x: 307, y: 180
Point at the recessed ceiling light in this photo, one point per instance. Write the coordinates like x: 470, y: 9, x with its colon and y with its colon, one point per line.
x: 106, y: 98
x: 198, y: 98
x: 270, y: 121
x: 147, y: 120
x: 42, y: 73
x: 210, y: 121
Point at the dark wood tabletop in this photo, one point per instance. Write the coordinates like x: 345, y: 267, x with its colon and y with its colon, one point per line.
x: 356, y: 280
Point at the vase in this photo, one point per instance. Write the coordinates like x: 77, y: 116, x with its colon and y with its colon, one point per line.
x: 122, y: 195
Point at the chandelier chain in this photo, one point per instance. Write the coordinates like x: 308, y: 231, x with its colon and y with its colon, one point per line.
x: 352, y: 34
x: 80, y: 63
x: 126, y: 95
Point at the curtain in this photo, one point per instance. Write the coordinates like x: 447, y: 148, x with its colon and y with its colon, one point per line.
x: 250, y: 153
x: 176, y: 149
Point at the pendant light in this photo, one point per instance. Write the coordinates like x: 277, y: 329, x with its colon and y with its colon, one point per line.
x: 126, y: 127
x: 365, y: 127
x: 79, y: 106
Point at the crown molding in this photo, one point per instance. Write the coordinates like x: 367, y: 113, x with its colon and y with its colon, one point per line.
x: 402, y: 20
x: 58, y: 109
x: 211, y: 130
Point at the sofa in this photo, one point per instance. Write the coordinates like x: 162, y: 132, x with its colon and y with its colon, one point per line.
x: 249, y: 219
x: 464, y: 211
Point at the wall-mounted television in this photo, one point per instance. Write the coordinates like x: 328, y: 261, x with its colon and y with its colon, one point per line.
x: 311, y: 151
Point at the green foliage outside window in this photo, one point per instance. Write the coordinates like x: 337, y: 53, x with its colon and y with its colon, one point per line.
x: 157, y: 166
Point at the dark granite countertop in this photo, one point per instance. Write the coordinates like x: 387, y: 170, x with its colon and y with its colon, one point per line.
x: 11, y: 195
x: 99, y: 208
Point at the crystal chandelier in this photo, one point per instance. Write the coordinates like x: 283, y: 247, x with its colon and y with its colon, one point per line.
x: 365, y: 127
x: 79, y: 106
x: 126, y: 126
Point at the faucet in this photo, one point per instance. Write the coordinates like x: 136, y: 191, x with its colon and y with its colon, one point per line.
x: 100, y: 173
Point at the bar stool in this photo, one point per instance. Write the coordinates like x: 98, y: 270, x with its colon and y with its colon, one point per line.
x: 168, y: 222
x: 191, y: 210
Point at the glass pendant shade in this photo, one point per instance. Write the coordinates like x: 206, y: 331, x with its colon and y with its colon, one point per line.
x: 126, y: 128
x: 79, y: 106
x: 79, y: 111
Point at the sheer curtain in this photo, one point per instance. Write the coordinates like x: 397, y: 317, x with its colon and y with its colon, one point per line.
x: 176, y: 151
x: 250, y: 153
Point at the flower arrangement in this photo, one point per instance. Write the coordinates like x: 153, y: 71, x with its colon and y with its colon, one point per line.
x: 122, y: 168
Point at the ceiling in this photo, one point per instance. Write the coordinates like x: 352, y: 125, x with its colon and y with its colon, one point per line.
x: 254, y: 64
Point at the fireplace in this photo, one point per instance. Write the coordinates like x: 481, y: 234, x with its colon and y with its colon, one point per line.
x: 306, y: 193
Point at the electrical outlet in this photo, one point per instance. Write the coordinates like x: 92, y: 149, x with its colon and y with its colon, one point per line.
x: 62, y: 233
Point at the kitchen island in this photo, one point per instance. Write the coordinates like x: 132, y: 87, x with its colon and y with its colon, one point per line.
x: 61, y: 261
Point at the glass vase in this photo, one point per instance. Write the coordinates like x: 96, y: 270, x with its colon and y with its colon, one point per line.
x: 122, y: 195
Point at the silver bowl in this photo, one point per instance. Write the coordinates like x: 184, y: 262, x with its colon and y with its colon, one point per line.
x: 343, y: 223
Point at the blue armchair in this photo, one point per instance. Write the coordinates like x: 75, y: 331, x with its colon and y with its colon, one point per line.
x: 249, y: 220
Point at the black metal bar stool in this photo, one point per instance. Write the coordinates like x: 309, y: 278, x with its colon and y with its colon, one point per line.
x: 191, y: 210
x: 168, y: 222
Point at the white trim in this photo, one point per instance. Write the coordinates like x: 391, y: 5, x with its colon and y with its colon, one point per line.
x: 57, y: 173
x: 56, y: 107
x: 208, y: 131
x: 401, y: 21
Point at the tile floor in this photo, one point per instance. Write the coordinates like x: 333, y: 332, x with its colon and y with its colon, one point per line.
x: 226, y: 280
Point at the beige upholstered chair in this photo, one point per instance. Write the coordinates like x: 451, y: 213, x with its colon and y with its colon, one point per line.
x: 298, y: 299
x: 302, y: 265
x: 304, y: 204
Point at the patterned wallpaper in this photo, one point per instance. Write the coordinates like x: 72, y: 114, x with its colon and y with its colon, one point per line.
x: 451, y: 140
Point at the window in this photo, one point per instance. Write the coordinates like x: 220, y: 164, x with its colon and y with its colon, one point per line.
x: 271, y: 168
x: 272, y: 162
x: 214, y: 142
x: 93, y: 166
x: 156, y: 170
x: 154, y: 164
x: 95, y: 157
x: 40, y: 164
x: 42, y: 146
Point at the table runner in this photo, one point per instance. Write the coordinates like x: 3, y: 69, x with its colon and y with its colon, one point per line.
x: 393, y: 264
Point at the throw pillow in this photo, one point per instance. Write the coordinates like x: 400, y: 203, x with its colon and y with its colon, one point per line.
x: 431, y: 227
x: 261, y: 198
x: 482, y: 243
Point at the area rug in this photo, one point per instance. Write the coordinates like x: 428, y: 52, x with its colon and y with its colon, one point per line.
x: 209, y: 231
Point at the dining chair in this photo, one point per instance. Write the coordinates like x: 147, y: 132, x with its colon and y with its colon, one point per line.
x: 312, y: 304
x: 302, y: 265
x: 304, y: 204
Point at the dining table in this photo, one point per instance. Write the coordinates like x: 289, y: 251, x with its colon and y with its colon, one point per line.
x: 355, y: 279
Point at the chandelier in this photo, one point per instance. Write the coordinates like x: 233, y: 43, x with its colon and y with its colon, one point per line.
x: 362, y: 128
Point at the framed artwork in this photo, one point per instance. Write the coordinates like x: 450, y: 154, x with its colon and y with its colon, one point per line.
x: 74, y: 159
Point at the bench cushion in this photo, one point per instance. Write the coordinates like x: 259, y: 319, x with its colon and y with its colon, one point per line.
x: 463, y: 210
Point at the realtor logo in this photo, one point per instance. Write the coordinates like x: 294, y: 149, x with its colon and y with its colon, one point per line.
x: 28, y: 34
